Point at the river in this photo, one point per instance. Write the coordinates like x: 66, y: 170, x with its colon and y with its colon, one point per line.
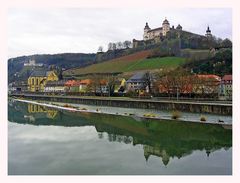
x: 47, y: 141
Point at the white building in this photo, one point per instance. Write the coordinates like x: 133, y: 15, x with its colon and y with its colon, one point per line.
x: 33, y: 63
x: 226, y: 88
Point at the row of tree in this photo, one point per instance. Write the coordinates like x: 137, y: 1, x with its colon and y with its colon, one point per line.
x: 117, y: 46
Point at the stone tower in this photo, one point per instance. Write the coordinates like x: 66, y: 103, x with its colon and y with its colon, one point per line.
x: 208, y: 32
x: 145, y: 34
x: 165, y: 27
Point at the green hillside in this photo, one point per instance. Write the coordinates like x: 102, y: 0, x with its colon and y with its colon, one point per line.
x: 133, y: 62
x: 156, y: 63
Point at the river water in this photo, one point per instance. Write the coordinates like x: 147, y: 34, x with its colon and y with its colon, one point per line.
x: 46, y: 141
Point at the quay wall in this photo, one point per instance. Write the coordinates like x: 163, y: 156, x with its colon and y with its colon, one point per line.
x: 185, y: 106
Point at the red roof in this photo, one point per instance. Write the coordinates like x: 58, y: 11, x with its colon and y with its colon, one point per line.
x: 209, y: 76
x: 72, y: 83
x: 85, y: 82
x: 227, y: 78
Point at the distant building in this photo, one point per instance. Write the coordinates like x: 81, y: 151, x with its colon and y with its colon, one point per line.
x: 226, y: 88
x: 55, y: 86
x: 208, y: 32
x: 206, y: 84
x: 157, y: 34
x: 19, y: 86
x: 33, y: 64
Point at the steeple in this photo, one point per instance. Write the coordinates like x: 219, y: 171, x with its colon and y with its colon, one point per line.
x: 146, y: 26
x: 165, y: 21
x: 208, y: 32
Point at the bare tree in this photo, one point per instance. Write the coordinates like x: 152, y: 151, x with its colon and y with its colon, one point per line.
x: 126, y: 44
x: 110, y: 46
x: 119, y: 45
x: 114, y: 46
x: 100, y: 49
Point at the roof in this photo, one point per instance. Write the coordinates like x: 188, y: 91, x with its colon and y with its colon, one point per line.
x: 159, y: 28
x: 103, y: 82
x: 85, y: 81
x: 56, y: 83
x: 209, y: 76
x: 140, y: 76
x: 179, y: 26
x: 165, y: 21
x: 227, y: 78
x: 39, y: 73
x: 72, y: 83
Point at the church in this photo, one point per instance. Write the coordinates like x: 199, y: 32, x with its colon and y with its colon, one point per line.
x: 156, y: 34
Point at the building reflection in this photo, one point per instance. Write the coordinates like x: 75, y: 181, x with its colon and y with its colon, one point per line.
x: 163, y: 139
x: 38, y: 111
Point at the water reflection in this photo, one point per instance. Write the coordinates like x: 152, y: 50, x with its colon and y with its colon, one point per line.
x: 164, y: 139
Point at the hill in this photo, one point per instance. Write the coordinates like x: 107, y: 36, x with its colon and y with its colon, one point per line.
x: 17, y: 71
x: 220, y: 64
x: 132, y: 62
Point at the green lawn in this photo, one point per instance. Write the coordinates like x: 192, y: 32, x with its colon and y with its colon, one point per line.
x: 157, y: 63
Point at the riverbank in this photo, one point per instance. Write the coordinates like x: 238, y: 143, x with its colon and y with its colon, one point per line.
x: 137, y: 114
x: 185, y: 106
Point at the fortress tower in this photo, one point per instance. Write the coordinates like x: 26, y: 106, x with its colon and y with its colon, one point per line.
x: 145, y: 34
x: 165, y: 27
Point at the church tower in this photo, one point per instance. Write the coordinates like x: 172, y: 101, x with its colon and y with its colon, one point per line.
x: 165, y: 27
x: 208, y: 32
x: 146, y: 29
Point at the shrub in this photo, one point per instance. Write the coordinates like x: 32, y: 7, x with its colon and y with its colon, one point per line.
x: 176, y: 114
x: 66, y: 105
x: 203, y: 118
x: 150, y: 115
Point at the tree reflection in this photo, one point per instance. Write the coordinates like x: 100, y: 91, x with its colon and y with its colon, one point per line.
x: 165, y: 139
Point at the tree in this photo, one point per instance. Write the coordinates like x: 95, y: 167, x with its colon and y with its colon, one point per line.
x: 110, y: 46
x: 100, y: 49
x: 114, y: 46
x: 148, y: 81
x: 126, y: 44
x: 119, y: 45
x: 226, y: 43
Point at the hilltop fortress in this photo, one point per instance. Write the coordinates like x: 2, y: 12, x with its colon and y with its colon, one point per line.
x: 158, y: 34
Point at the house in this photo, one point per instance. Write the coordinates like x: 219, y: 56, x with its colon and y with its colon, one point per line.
x: 84, y: 85
x: 55, y: 86
x: 206, y: 84
x: 72, y: 85
x: 38, y: 79
x: 18, y: 86
x: 225, y: 92
x: 138, y: 83
x: 102, y: 87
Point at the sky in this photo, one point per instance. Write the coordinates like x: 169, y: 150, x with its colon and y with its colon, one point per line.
x: 83, y: 30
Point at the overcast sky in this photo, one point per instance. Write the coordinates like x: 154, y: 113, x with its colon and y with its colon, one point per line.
x: 49, y: 31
